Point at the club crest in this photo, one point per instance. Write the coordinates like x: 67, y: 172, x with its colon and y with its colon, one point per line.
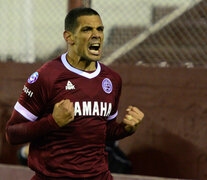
x: 33, y: 78
x: 107, y: 85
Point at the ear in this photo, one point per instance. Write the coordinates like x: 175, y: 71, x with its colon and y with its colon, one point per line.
x: 68, y: 36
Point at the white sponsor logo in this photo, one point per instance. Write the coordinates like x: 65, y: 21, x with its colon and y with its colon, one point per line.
x: 27, y: 91
x: 95, y: 108
x: 69, y: 86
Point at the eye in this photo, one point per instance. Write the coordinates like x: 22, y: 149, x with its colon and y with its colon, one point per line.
x: 86, y: 29
x: 100, y: 29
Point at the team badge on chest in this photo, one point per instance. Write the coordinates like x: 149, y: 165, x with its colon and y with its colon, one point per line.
x: 107, y: 85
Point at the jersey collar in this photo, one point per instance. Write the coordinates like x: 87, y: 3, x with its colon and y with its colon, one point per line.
x: 80, y: 72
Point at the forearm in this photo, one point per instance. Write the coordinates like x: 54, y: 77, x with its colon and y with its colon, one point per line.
x: 116, y: 131
x: 20, y: 130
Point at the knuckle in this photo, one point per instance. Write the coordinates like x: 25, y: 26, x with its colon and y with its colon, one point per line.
x: 141, y: 115
x: 125, y: 121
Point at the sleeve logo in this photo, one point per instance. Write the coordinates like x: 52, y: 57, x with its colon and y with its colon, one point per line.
x: 107, y: 85
x: 27, y: 91
x: 33, y: 78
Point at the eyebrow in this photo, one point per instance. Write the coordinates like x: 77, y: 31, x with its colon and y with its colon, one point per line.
x: 90, y: 27
x: 102, y: 27
x: 85, y: 27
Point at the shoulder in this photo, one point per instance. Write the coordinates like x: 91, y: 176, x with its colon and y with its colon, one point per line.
x: 108, y: 71
x: 50, y: 70
x: 45, y: 75
x: 51, y: 67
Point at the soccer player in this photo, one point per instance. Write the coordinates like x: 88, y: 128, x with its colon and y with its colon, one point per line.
x: 68, y: 107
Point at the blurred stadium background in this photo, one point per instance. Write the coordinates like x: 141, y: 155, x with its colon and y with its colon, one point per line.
x: 164, y: 39
x: 155, y: 32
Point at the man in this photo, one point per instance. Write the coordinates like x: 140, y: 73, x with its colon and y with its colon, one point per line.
x: 68, y: 107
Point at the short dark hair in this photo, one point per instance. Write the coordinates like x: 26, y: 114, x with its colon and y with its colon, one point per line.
x: 72, y: 16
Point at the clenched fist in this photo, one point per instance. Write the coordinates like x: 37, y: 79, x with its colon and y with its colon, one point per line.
x: 63, y: 112
x: 133, y: 117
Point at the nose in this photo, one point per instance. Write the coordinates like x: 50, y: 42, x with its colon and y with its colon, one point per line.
x: 96, y: 33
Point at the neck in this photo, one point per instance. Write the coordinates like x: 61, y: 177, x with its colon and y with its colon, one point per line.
x: 81, y: 64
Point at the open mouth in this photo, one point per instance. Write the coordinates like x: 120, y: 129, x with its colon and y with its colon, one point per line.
x: 94, y: 48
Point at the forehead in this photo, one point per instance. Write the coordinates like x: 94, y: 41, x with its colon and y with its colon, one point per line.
x: 90, y: 20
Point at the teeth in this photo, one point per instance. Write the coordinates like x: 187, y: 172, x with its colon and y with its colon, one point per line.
x: 94, y: 52
x: 96, y: 44
x: 94, y: 48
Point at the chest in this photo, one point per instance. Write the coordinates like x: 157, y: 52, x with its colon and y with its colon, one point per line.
x: 91, y: 97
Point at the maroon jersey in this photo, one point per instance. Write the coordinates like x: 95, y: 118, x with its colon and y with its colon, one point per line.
x: 77, y: 149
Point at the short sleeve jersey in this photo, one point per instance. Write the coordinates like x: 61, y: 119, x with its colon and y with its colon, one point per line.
x: 79, y: 147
